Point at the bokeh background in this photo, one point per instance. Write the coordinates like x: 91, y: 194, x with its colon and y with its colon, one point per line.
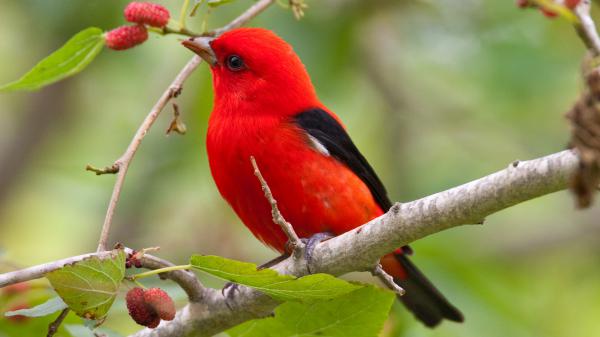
x: 434, y: 93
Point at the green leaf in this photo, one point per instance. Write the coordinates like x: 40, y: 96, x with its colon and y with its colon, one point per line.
x: 70, y: 59
x: 281, y: 287
x: 89, y: 287
x: 50, y: 306
x: 360, y: 313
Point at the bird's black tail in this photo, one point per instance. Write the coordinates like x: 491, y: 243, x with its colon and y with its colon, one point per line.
x: 421, y: 297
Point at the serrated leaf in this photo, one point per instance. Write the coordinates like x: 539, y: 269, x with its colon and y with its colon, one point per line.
x: 50, y: 306
x: 90, y: 286
x: 70, y: 59
x: 281, y: 287
x: 360, y: 313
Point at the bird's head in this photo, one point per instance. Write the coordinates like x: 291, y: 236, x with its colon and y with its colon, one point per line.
x: 254, y: 65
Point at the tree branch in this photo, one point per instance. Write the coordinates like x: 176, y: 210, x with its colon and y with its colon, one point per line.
x: 123, y: 162
x: 586, y: 27
x: 186, y: 280
x: 359, y: 249
x: 241, y: 20
x: 39, y: 271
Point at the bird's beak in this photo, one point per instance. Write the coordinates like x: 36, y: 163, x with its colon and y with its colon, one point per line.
x: 201, y: 46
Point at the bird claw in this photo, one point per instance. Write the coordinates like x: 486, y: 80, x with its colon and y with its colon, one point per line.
x: 309, y: 247
x: 228, y: 292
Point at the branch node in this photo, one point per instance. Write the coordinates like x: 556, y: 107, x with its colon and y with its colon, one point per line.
x: 175, y: 91
x: 387, y: 279
x: 113, y: 169
x: 515, y: 163
x: 395, y: 209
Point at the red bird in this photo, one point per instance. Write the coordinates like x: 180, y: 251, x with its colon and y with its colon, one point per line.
x: 266, y: 106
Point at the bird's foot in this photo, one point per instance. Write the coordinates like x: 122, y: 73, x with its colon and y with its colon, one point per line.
x: 228, y: 292
x: 309, y: 247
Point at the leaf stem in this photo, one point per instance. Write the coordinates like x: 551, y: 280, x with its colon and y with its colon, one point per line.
x: 158, y: 271
x: 169, y: 30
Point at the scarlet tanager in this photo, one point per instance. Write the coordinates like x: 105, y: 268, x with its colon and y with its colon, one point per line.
x: 266, y: 106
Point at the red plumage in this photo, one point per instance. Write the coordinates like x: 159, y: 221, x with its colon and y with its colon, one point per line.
x: 261, y: 89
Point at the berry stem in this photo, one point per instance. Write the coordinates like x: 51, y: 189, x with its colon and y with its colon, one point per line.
x: 169, y: 30
x: 137, y: 283
x: 158, y: 271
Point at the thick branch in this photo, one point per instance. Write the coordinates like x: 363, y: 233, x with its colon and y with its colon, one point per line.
x: 359, y: 249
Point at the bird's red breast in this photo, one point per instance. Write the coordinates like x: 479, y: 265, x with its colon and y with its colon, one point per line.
x: 315, y: 192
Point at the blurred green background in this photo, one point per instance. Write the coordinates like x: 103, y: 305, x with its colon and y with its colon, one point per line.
x: 434, y: 93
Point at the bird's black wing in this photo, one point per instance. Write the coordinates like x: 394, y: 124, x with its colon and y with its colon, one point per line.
x: 326, y: 130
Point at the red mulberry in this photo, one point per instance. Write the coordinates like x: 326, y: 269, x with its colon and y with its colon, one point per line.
x: 147, y: 13
x: 126, y: 37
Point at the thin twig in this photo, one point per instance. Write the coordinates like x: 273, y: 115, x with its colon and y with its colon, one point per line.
x: 241, y: 20
x: 287, y: 228
x: 387, y: 279
x: 586, y: 27
x: 53, y: 327
x: 123, y: 162
x: 173, y: 91
x: 39, y: 271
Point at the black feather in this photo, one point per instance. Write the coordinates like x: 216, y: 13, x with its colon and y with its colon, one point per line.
x: 323, y: 127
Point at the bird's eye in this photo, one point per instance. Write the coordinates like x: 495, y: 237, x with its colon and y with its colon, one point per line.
x: 235, y: 63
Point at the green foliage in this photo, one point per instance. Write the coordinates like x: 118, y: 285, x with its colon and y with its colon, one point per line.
x: 360, y: 313
x: 89, y: 287
x: 70, y: 59
x: 50, y: 306
x: 281, y: 287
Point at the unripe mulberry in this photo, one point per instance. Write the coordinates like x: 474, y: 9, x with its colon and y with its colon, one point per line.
x: 147, y: 13
x: 126, y: 37
x: 141, y: 313
x: 161, y: 302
